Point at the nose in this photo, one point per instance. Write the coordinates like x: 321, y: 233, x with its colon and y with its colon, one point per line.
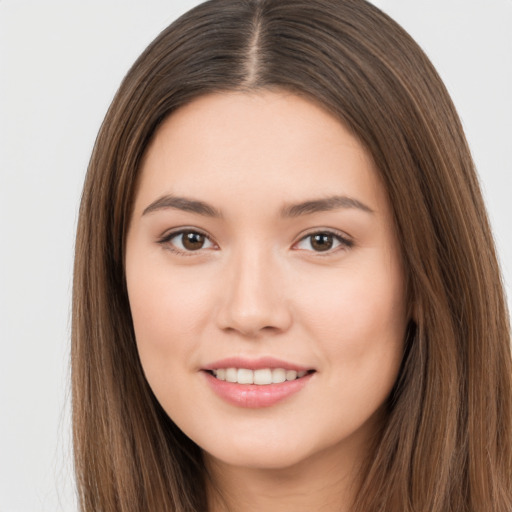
x: 254, y: 299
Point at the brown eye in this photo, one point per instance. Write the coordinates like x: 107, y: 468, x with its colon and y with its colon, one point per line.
x: 187, y: 241
x: 192, y: 241
x: 322, y: 241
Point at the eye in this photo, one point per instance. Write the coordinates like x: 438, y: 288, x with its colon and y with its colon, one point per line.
x: 323, y: 241
x: 186, y: 241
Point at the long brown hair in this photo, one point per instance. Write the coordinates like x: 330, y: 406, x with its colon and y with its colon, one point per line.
x: 446, y: 443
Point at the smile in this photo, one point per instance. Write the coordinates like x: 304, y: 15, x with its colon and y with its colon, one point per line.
x: 254, y: 384
x: 260, y: 377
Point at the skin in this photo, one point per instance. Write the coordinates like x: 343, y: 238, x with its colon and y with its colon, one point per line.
x: 258, y: 287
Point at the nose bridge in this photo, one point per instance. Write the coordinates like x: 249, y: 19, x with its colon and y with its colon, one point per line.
x: 253, y: 297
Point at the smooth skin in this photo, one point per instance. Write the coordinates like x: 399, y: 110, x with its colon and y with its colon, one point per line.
x: 321, y: 286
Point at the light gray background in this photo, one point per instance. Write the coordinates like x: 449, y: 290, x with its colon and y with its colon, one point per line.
x: 60, y: 64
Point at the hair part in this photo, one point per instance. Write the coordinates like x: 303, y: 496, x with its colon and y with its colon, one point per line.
x: 446, y: 442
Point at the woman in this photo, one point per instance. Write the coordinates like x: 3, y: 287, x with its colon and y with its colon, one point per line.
x: 286, y: 293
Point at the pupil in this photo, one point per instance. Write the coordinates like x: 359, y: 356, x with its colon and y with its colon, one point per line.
x: 193, y: 241
x: 322, y: 242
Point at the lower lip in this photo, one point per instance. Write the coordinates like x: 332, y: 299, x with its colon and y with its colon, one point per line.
x: 254, y: 396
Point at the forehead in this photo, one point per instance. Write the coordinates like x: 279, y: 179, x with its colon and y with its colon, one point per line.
x: 257, y: 146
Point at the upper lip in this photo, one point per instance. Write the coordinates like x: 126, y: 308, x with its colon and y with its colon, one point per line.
x: 255, y: 364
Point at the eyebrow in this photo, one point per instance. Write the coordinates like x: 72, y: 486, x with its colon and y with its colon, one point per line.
x: 323, y: 205
x: 184, y: 204
x: 293, y: 210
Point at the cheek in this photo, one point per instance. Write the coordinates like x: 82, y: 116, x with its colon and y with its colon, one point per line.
x: 359, y: 330
x: 355, y: 303
x: 168, y: 308
x: 358, y: 321
x: 168, y: 312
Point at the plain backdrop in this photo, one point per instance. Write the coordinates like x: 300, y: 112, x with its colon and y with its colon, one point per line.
x: 60, y: 65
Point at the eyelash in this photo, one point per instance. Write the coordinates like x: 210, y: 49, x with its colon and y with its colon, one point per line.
x: 344, y: 242
x: 166, y: 241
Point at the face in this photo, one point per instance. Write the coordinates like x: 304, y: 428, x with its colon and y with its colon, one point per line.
x: 264, y: 279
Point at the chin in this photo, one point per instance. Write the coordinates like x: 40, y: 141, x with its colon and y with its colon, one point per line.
x: 260, y: 456
x: 287, y: 446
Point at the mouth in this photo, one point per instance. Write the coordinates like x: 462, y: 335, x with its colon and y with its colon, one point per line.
x: 256, y: 383
x: 259, y: 377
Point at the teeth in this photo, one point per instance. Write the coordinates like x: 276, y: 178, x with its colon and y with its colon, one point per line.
x: 260, y: 377
x: 245, y: 376
x: 263, y: 376
x: 291, y: 375
x: 278, y: 375
x: 231, y: 374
